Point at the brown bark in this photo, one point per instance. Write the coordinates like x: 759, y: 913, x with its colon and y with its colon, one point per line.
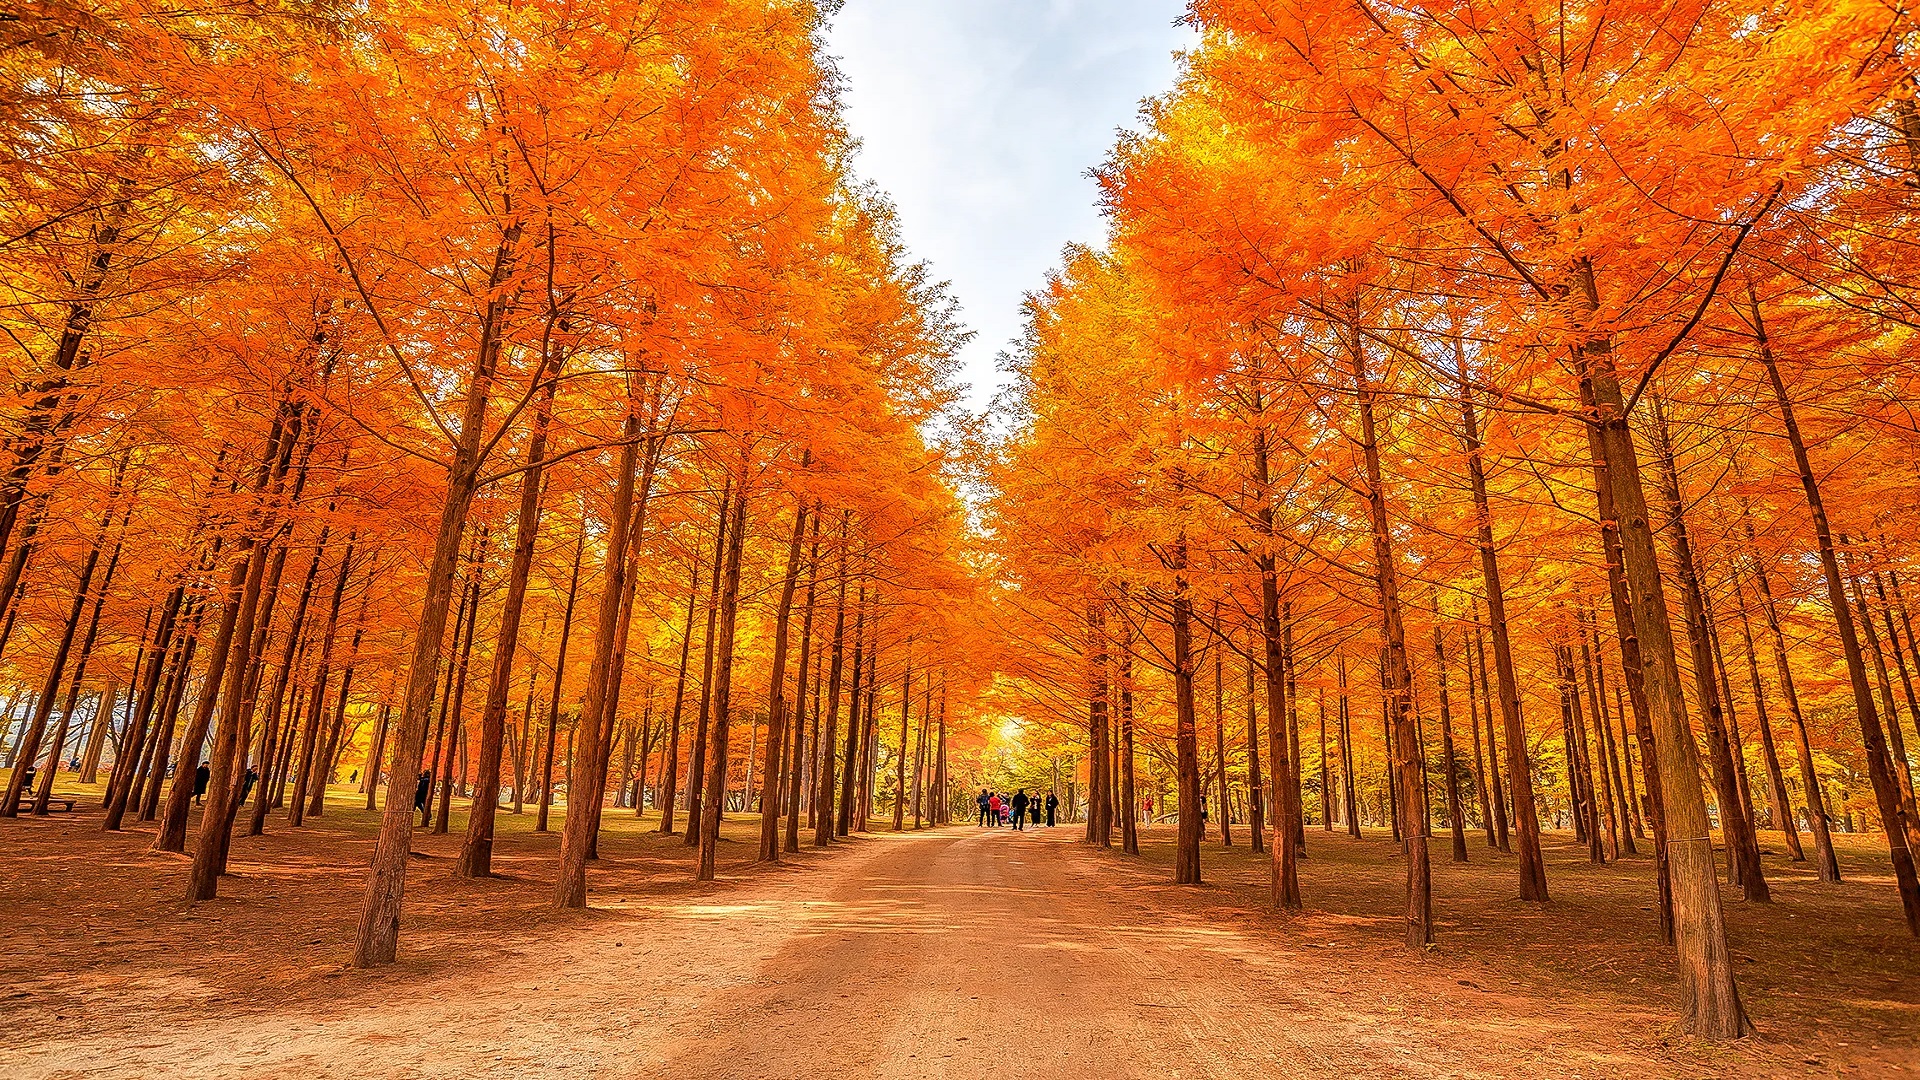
x: 723, y: 682
x: 670, y: 782
x: 378, y: 935
x: 1817, y: 818
x: 1398, y: 675
x: 1186, y: 858
x: 823, y: 816
x: 772, y: 779
x: 1526, y: 820
x: 1710, y: 1002
x: 588, y: 776
x: 799, y: 754
x: 1633, y: 671
x: 1743, y: 848
x: 1776, y: 779
x: 697, y: 770
x: 1220, y: 737
x: 1256, y: 797
x: 476, y: 850
x: 1447, y: 761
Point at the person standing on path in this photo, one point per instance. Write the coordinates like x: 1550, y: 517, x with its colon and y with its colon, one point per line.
x: 993, y: 808
x: 1020, y: 809
x: 1033, y: 810
x: 983, y: 800
x: 1053, y: 804
x: 421, y: 789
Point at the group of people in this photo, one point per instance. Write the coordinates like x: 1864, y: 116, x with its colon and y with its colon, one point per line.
x: 1016, y: 810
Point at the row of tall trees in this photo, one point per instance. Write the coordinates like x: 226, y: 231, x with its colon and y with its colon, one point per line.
x: 453, y: 394
x: 1526, y: 391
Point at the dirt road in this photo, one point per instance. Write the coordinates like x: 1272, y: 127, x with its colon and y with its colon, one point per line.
x: 958, y: 952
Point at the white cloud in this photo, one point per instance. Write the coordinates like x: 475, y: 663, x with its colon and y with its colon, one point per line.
x: 980, y: 118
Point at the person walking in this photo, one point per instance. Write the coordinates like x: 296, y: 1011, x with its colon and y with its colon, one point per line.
x: 1020, y: 809
x: 982, y: 801
x: 246, y: 784
x: 1053, y: 804
x: 993, y: 808
x: 421, y: 789
x: 200, y: 777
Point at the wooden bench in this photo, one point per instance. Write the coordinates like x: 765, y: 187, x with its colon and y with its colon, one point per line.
x: 56, y: 802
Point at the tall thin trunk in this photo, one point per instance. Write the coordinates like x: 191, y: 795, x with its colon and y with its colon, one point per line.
x: 1710, y: 1002
x: 588, y: 776
x: 1409, y: 765
x: 476, y: 851
x: 1186, y: 859
x: 377, y: 938
x: 1817, y: 819
x: 900, y: 762
x: 670, y: 782
x: 1743, y: 848
x: 823, y: 817
x: 1447, y: 761
x: 559, y: 685
x: 798, y: 755
x: 1256, y: 798
x: 1526, y: 819
x: 697, y: 771
x: 723, y: 682
x: 1632, y: 667
x: 1776, y: 779
x: 771, y: 778
x: 1220, y: 738
x: 1284, y: 881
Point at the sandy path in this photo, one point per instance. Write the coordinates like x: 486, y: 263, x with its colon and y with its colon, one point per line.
x: 959, y: 952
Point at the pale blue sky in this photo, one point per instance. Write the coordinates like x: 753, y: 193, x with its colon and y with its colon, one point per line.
x: 981, y: 118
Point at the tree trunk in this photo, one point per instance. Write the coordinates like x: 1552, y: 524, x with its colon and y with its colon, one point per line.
x: 1447, y: 762
x: 1186, y: 861
x: 1526, y: 820
x: 377, y: 938
x: 1743, y: 849
x: 1256, y: 797
x: 1408, y: 762
x: 723, y: 681
x: 799, y: 753
x: 771, y: 780
x: 697, y: 771
x: 1896, y: 813
x: 588, y: 775
x: 670, y: 782
x: 1710, y: 1002
x: 1776, y: 779
x: 1817, y: 819
x: 559, y: 686
x: 823, y: 817
x: 476, y: 851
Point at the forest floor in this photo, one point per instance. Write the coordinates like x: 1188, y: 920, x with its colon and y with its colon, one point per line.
x: 951, y: 952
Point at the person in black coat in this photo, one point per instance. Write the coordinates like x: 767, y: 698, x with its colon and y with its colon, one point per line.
x: 246, y: 785
x: 200, y: 777
x: 1020, y: 809
x: 422, y: 789
x: 984, y: 800
x: 1033, y: 811
x: 1053, y: 803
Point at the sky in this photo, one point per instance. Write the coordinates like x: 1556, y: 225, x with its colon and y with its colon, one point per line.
x: 980, y: 119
